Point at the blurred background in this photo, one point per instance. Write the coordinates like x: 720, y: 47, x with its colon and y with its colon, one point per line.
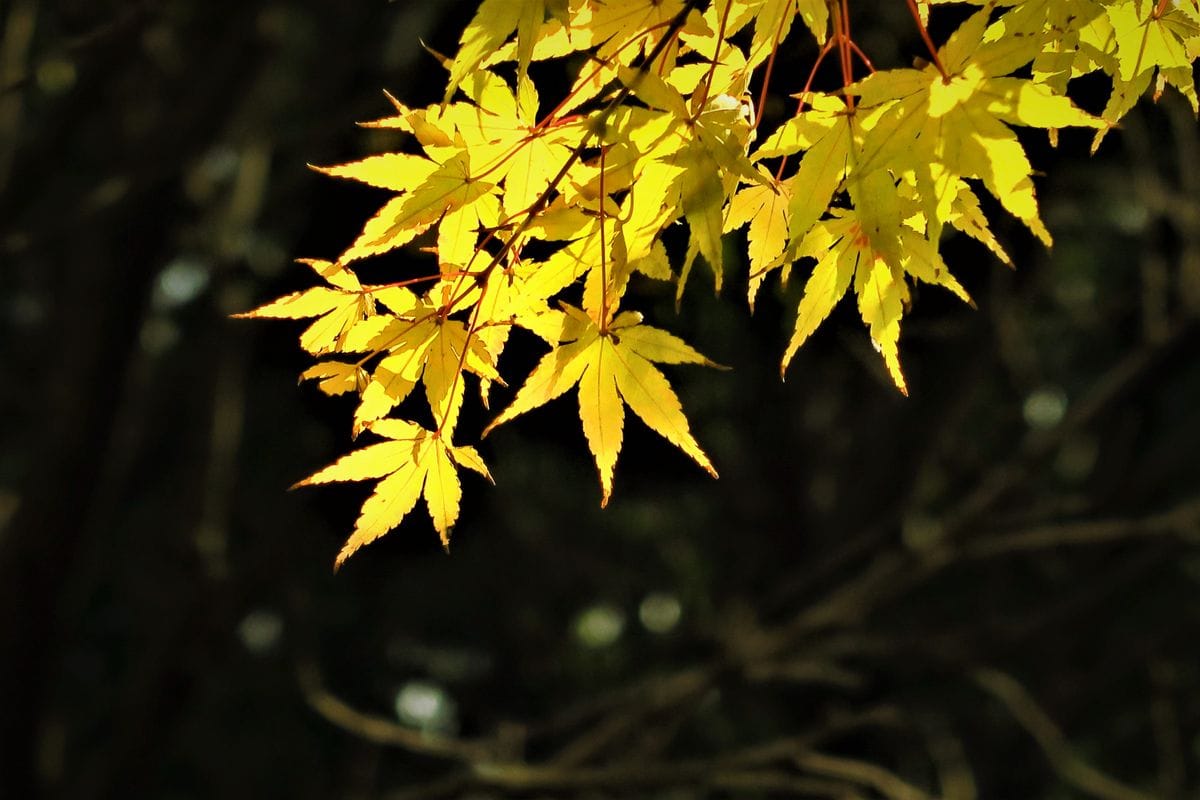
x: 988, y: 589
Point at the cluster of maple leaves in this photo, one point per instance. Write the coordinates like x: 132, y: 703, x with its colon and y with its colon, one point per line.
x: 658, y: 128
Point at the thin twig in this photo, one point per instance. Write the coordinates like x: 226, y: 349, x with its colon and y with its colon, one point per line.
x: 933, y: 51
x: 1063, y: 758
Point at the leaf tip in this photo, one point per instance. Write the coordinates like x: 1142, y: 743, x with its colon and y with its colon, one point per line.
x: 392, y: 99
x: 783, y: 364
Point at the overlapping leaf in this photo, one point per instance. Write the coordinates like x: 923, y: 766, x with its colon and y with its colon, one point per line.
x: 531, y: 205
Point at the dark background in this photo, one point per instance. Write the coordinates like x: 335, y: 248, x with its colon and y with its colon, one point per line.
x: 988, y: 589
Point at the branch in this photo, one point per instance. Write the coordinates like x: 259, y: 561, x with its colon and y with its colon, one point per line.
x: 862, y: 773
x: 380, y: 730
x: 1070, y: 767
x: 1183, y: 521
x: 1107, y: 390
x: 783, y: 783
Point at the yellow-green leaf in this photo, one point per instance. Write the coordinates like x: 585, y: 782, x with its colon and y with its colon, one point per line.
x: 412, y: 462
x: 881, y: 298
x: 336, y: 377
x: 400, y: 172
x: 825, y: 286
x: 443, y: 492
x: 601, y: 411
x: 611, y: 367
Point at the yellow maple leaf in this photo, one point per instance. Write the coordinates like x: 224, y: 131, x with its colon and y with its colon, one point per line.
x: 613, y: 368
x: 494, y: 20
x: 412, y: 462
x: 616, y: 22
x: 826, y: 132
x: 400, y: 172
x: 428, y: 350
x: 336, y: 377
x: 1066, y: 30
x: 403, y: 218
x: 766, y: 209
x: 684, y: 164
x: 773, y: 20
x: 338, y: 307
x: 847, y: 249
x: 945, y: 128
x: 702, y: 197
x: 1146, y: 46
x: 500, y: 129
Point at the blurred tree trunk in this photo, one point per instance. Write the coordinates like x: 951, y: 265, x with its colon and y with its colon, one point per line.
x: 97, y: 315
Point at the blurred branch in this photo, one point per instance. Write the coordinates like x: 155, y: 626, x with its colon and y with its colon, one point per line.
x: 744, y: 769
x: 380, y: 730
x: 955, y: 778
x: 133, y: 13
x: 782, y: 782
x: 663, y: 694
x: 1183, y: 521
x: 1073, y: 769
x: 862, y: 773
x: 895, y: 570
x: 885, y: 716
x: 1165, y: 723
x: 1114, y: 385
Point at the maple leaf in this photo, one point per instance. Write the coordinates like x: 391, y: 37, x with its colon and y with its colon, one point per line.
x: 1148, y: 46
x: 702, y: 197
x: 615, y: 22
x: 494, y: 20
x: 826, y: 133
x: 336, y: 377
x: 501, y: 131
x: 400, y: 172
x: 846, y: 250
x: 688, y: 164
x: 338, y: 307
x: 426, y: 349
x: 443, y: 190
x: 715, y: 65
x: 656, y: 129
x: 412, y: 463
x: 612, y: 368
x: 773, y: 20
x: 1070, y: 51
x: 766, y: 208
x: 953, y: 127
